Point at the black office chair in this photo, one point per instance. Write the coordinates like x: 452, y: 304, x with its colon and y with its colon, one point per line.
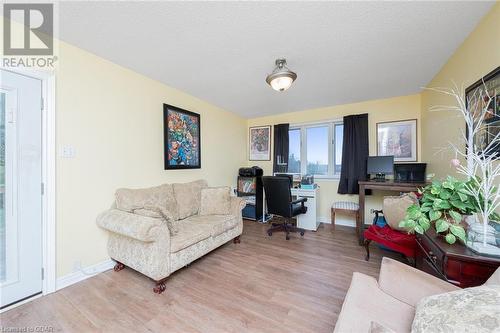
x: 279, y: 202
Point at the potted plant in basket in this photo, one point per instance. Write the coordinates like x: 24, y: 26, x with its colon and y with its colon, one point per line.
x: 443, y: 205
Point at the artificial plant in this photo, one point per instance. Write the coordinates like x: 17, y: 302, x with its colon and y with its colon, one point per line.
x: 442, y: 204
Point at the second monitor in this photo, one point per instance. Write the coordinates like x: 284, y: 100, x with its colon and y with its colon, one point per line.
x: 380, y: 166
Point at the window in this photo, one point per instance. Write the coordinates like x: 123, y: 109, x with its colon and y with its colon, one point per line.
x: 316, y: 149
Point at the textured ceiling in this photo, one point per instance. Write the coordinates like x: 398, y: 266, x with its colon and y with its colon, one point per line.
x: 221, y: 52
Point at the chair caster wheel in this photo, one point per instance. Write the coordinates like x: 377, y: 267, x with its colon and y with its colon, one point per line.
x: 302, y: 233
x: 269, y: 233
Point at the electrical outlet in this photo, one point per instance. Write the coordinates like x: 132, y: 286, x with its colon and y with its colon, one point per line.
x: 68, y: 152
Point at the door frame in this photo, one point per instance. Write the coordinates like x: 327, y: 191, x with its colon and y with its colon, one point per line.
x: 48, y: 80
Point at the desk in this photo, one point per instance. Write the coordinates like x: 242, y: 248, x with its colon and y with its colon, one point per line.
x: 383, y: 186
x: 309, y: 220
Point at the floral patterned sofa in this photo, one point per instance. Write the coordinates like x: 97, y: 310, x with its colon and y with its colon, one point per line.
x: 159, y: 230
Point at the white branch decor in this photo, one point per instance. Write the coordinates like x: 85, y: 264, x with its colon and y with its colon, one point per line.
x: 481, y: 169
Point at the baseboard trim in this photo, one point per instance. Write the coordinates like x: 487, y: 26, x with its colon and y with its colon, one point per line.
x: 83, y: 274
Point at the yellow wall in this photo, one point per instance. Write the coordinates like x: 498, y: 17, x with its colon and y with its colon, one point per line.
x: 478, y: 55
x: 113, y: 117
x: 391, y: 109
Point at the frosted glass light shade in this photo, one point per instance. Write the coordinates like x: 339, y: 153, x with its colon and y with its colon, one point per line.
x: 281, y: 78
x: 281, y: 83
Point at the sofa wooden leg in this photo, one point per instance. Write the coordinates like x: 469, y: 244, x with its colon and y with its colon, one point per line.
x: 367, y: 246
x: 236, y: 240
x: 118, y: 267
x: 159, y: 287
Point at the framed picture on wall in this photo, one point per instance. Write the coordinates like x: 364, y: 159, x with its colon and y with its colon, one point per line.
x: 398, y: 138
x: 485, y: 94
x: 182, y: 140
x: 260, y: 143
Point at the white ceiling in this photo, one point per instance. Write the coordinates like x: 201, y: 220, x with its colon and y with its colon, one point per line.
x: 221, y: 52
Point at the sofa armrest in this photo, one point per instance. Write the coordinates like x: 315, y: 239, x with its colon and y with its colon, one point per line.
x: 237, y: 205
x: 135, y: 226
x: 494, y: 278
x: 407, y: 284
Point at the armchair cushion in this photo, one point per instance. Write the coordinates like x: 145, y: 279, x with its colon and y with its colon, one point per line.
x: 215, y: 201
x: 187, y: 197
x: 467, y: 310
x: 138, y: 227
x: 407, y: 284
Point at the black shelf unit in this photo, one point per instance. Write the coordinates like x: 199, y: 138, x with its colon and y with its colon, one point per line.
x: 251, y: 186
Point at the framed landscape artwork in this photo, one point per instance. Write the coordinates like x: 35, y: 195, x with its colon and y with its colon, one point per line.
x: 182, y: 145
x: 398, y: 138
x: 492, y: 118
x: 260, y: 143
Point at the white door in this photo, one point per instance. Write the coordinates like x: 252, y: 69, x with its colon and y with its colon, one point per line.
x: 20, y: 187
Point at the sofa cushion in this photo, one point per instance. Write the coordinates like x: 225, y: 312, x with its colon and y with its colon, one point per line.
x: 379, y: 328
x: 218, y: 223
x: 395, y: 209
x: 365, y: 302
x: 187, y: 197
x: 189, y: 233
x: 136, y: 200
x: 215, y: 201
x: 467, y: 310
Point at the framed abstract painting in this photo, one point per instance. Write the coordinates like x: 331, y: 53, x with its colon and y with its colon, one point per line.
x: 182, y: 144
x: 260, y: 143
x: 485, y: 94
x: 398, y: 138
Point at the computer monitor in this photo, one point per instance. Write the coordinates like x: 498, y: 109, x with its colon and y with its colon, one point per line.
x: 380, y: 166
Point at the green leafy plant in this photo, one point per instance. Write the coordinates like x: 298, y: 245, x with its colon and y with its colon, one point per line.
x: 442, y: 204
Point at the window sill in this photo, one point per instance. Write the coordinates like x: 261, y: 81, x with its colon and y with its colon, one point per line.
x: 326, y: 178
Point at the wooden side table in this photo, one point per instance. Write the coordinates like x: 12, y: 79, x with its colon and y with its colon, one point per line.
x: 455, y: 263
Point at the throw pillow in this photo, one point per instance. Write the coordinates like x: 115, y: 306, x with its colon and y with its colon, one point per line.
x: 395, y: 209
x: 215, y: 201
x: 161, y: 197
x: 379, y: 328
x: 188, y: 196
x: 166, y: 216
x: 467, y: 310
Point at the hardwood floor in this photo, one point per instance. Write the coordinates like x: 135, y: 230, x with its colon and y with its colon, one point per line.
x: 263, y: 284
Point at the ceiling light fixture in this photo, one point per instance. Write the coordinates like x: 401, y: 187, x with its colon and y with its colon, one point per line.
x: 281, y: 78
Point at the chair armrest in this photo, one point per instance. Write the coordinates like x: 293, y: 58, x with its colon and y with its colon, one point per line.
x: 407, y: 284
x: 237, y: 205
x: 135, y: 226
x: 301, y: 200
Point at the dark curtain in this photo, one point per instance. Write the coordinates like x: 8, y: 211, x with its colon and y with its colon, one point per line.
x: 354, y: 153
x: 281, y: 147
